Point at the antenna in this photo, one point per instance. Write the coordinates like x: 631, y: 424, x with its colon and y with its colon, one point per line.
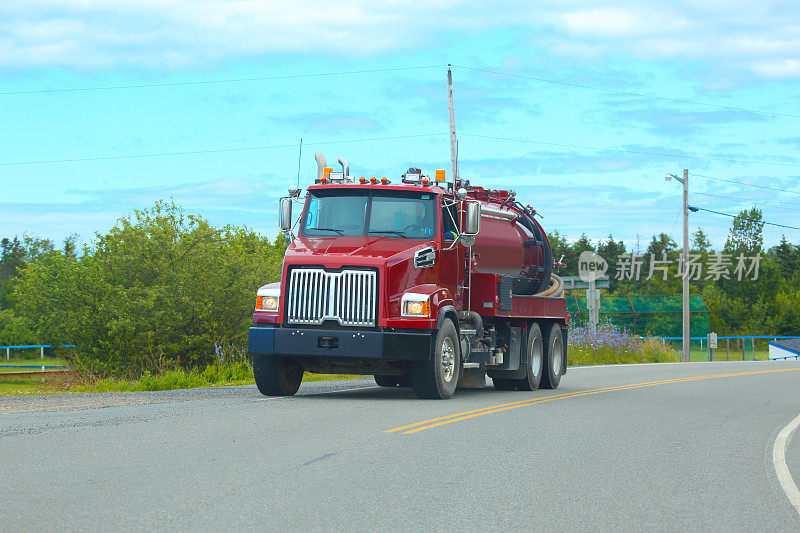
x: 453, y: 141
x: 299, y: 157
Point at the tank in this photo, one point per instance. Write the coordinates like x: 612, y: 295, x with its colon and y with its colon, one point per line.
x: 511, y: 242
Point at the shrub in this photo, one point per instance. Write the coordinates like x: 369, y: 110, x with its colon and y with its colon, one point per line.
x: 161, y: 290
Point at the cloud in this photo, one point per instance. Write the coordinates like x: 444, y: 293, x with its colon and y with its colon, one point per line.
x: 251, y: 202
x: 332, y: 123
x: 761, y: 37
x: 673, y: 123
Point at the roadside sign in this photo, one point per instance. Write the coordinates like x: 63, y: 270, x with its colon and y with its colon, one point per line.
x: 712, y: 341
x: 575, y: 282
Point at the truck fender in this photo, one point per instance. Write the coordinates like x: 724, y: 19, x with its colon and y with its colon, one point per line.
x: 447, y: 311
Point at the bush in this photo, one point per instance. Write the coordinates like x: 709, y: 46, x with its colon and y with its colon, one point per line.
x: 608, y: 345
x: 162, y: 290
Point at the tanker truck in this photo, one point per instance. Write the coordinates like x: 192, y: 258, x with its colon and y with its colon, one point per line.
x: 422, y: 283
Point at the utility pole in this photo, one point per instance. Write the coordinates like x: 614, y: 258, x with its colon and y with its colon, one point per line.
x: 685, y: 262
x: 686, y: 314
x: 453, y: 141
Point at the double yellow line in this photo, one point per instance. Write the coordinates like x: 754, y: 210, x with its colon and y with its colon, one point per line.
x: 457, y: 417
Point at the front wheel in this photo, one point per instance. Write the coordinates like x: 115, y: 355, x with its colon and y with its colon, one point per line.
x: 437, y: 378
x: 276, y: 375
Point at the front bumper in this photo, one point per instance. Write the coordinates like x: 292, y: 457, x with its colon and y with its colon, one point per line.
x: 325, y: 343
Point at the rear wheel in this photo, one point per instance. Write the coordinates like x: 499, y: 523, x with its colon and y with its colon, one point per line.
x: 437, y: 378
x: 554, y: 358
x: 276, y: 375
x: 534, y: 359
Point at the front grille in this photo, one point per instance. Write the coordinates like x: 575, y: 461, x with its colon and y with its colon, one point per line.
x: 348, y: 297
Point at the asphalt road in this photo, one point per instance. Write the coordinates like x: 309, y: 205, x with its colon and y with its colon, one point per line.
x: 670, y: 453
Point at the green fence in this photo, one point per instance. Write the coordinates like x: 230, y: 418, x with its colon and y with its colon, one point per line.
x: 646, y: 315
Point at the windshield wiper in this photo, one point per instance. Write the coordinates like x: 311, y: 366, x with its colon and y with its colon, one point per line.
x: 340, y: 232
x: 398, y: 233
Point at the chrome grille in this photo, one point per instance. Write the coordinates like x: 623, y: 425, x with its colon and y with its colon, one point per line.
x: 348, y: 297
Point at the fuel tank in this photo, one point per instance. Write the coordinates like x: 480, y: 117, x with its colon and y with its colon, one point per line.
x: 513, y: 244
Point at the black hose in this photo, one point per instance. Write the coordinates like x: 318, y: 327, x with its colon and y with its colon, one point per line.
x: 547, y: 267
x: 473, y: 318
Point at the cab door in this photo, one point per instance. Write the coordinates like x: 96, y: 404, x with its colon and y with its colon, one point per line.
x: 452, y: 266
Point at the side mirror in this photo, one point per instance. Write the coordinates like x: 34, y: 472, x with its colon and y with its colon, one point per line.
x: 285, y: 214
x: 472, y: 218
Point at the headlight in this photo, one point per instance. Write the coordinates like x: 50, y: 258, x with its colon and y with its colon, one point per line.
x: 413, y: 304
x: 267, y: 300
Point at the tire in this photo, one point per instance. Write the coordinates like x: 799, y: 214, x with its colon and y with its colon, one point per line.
x: 437, y: 379
x: 504, y: 384
x: 534, y: 359
x: 276, y: 375
x: 386, y: 381
x: 554, y: 358
x: 404, y: 381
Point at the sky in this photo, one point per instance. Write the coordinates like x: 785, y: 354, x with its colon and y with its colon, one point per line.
x: 581, y: 107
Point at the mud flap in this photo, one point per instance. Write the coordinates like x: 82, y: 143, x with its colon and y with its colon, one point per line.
x: 472, y: 378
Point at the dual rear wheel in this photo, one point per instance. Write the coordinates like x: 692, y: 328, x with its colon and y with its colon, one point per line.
x: 543, y: 361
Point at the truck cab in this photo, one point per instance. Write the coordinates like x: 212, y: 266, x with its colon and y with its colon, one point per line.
x: 379, y: 281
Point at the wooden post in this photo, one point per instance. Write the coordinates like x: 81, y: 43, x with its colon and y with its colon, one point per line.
x: 741, y: 340
x: 8, y: 354
x: 753, y: 346
x: 41, y: 351
x: 727, y: 349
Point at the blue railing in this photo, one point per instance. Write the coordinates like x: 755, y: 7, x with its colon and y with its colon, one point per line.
x: 33, y: 346
x: 747, y: 340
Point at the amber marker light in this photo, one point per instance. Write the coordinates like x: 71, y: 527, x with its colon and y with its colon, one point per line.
x: 373, y: 180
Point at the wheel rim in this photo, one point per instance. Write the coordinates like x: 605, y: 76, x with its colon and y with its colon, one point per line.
x: 536, y: 357
x: 556, y: 359
x: 448, y: 360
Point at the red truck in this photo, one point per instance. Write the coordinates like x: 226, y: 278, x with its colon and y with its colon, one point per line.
x: 421, y: 283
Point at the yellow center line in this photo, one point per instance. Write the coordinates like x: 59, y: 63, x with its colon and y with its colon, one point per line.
x: 456, y: 417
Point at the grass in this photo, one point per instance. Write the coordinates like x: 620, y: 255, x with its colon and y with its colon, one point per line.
x: 24, y: 387
x: 735, y: 355
x: 608, y: 345
x: 215, y: 375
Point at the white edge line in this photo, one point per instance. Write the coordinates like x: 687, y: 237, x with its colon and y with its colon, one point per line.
x: 779, y: 461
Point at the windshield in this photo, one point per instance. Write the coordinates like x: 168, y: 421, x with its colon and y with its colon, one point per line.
x: 394, y: 214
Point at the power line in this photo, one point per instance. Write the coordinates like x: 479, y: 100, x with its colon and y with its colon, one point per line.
x: 508, y: 139
x: 734, y: 216
x: 626, y: 93
x: 747, y: 184
x: 637, y: 152
x: 392, y: 69
x: 213, y: 82
x: 214, y: 151
x: 778, y: 205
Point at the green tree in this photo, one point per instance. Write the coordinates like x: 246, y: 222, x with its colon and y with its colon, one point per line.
x: 610, y: 250
x: 660, y: 244
x: 787, y: 256
x: 700, y: 242
x: 746, y: 234
x: 161, y: 288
